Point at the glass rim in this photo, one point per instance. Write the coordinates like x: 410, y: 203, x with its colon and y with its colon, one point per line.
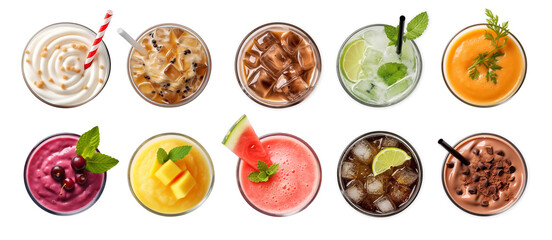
x: 54, y: 212
x: 205, y: 78
x: 450, y: 88
x: 523, y: 163
x: 415, y: 156
x: 319, y: 183
x: 208, y: 160
x: 108, y: 73
x: 238, y: 63
x: 402, y: 98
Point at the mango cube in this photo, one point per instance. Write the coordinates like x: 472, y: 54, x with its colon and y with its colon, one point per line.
x: 182, y: 186
x: 168, y: 172
x: 154, y: 168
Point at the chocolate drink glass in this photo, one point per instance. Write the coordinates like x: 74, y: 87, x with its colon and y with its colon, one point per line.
x: 278, y: 65
x: 387, y: 193
x: 493, y: 182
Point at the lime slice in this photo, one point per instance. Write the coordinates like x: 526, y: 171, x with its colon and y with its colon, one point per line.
x: 351, y: 59
x: 387, y: 158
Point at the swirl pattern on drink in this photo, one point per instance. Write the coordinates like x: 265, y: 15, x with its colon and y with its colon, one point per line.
x: 53, y: 65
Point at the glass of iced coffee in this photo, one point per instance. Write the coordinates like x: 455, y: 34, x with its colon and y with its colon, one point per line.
x: 278, y: 65
x: 175, y: 69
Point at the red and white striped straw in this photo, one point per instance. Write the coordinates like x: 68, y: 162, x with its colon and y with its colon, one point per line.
x: 98, y: 40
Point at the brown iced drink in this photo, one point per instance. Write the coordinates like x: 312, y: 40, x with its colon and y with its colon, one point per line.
x: 278, y: 65
x: 383, y: 194
x: 494, y: 180
x: 176, y: 67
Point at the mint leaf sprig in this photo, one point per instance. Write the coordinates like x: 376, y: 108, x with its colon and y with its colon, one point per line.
x: 86, y: 147
x: 414, y: 29
x: 264, y: 173
x: 489, y: 60
x: 174, y: 155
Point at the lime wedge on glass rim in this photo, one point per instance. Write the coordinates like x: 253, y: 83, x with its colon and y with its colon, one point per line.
x: 350, y: 62
x: 387, y: 158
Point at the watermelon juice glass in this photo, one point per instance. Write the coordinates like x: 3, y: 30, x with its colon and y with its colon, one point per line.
x: 293, y: 187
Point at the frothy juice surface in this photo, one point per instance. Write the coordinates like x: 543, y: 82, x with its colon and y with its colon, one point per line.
x: 53, y: 65
x: 460, y: 57
x: 293, y: 186
x: 155, y: 195
x: 59, y: 150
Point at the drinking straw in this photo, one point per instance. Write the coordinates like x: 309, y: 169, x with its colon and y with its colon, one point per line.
x: 453, y: 152
x: 130, y: 40
x: 400, y: 37
x: 98, y: 40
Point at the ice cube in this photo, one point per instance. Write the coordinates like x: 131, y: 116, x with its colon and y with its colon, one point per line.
x: 172, y: 73
x: 363, y: 151
x: 189, y: 41
x: 261, y: 82
x: 177, y: 32
x: 389, y: 142
x: 306, y: 58
x: 147, y: 89
x: 348, y: 170
x: 293, y: 70
x: 384, y: 205
x: 275, y: 59
x: 390, y: 55
x: 399, y: 193
x: 372, y: 56
x: 374, y: 185
x: 295, y: 88
x: 398, y: 88
x: 265, y: 40
x: 291, y: 42
x: 251, y: 59
x: 367, y: 91
x: 282, y: 81
x: 405, y: 176
x: 375, y: 38
x: 137, y: 65
x: 355, y: 192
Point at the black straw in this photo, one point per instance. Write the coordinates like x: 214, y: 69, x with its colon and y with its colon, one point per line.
x: 400, y: 37
x: 453, y: 152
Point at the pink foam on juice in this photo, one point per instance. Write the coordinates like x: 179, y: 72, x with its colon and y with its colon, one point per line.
x: 295, y: 184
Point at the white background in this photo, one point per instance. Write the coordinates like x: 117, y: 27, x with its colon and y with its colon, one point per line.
x: 328, y: 120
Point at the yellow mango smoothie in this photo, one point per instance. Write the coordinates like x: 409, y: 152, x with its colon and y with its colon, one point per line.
x: 480, y: 89
x: 177, y: 186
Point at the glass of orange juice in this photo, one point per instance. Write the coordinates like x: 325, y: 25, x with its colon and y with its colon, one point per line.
x: 460, y: 54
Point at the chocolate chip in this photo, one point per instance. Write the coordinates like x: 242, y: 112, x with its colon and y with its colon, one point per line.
x: 489, y: 149
x: 490, y: 159
x: 476, y: 152
x: 512, y: 169
x: 481, y: 166
x: 450, y: 164
x: 495, y: 197
x: 512, y: 179
x: 500, y: 172
x: 472, y: 190
x: 466, y: 171
x: 499, y: 165
x: 485, y: 183
x: 475, y: 177
x: 492, y: 189
x: 500, y: 153
x: 485, y: 203
x: 459, y: 191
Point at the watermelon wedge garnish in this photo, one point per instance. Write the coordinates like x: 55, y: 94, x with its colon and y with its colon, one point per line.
x: 242, y: 140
